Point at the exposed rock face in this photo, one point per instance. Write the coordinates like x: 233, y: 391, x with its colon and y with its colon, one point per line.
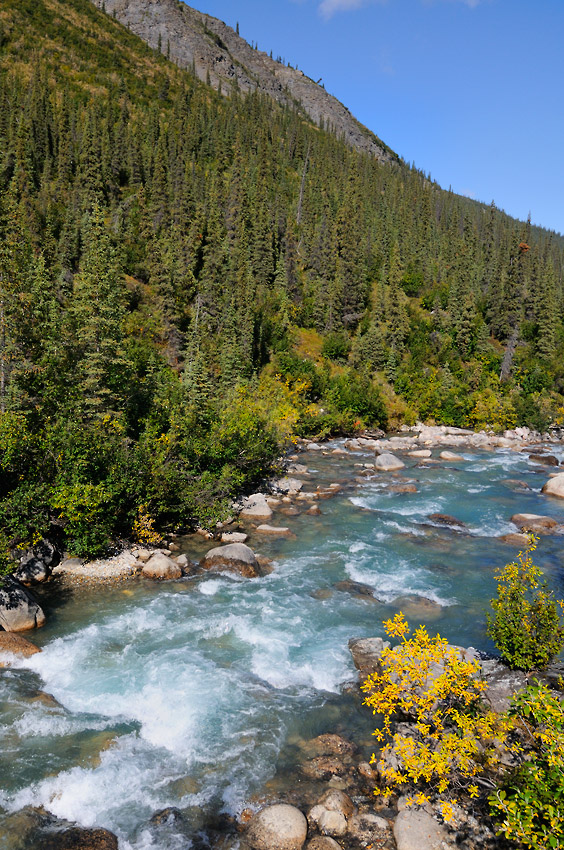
x: 19, y: 611
x: 555, y: 487
x: 160, y: 566
x: 195, y: 40
x: 235, y: 558
x: 278, y: 827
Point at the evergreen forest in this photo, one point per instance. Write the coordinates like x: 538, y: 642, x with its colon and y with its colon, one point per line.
x: 190, y: 278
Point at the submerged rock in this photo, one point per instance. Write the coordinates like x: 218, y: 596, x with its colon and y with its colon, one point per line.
x: 19, y: 611
x: 278, y: 827
x: 545, y: 460
x: 356, y: 588
x: 234, y: 558
x: 274, y: 530
x: 446, y: 519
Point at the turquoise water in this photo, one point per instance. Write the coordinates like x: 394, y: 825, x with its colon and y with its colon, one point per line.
x: 196, y: 693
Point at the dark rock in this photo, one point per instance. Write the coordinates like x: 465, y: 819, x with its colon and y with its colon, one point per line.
x: 446, y: 519
x: 330, y: 744
x: 545, y: 460
x: 167, y: 816
x: 77, y: 838
x: 19, y: 610
x: 323, y: 767
x: 356, y: 588
x: 37, y: 563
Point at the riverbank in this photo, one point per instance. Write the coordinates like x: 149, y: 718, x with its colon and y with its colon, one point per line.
x: 202, y: 693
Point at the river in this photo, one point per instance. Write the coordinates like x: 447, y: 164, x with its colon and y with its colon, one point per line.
x: 198, y: 693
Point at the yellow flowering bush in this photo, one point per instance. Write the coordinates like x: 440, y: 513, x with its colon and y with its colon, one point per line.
x: 144, y: 528
x: 452, y: 738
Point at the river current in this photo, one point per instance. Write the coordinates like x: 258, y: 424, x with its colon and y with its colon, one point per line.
x: 198, y: 693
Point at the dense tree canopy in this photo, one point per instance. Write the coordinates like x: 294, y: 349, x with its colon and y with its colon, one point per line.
x: 187, y: 277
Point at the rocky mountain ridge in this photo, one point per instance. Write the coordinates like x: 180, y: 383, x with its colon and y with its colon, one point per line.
x: 218, y: 54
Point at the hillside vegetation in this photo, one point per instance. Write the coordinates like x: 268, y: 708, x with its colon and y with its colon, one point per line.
x: 189, y: 279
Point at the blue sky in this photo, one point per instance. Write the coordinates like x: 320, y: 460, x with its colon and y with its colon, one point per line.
x: 469, y: 90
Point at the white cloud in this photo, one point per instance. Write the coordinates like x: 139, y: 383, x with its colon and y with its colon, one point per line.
x: 327, y: 8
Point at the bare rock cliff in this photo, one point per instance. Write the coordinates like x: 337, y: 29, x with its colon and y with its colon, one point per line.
x: 215, y: 51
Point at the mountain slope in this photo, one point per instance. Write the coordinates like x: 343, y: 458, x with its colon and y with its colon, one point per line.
x: 216, y: 52
x: 186, y: 279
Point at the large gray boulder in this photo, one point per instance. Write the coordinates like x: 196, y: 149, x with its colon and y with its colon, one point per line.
x: 555, y: 486
x: 256, y: 507
x: 388, y: 462
x: 233, y: 558
x: 160, y: 566
x: 418, y: 830
x: 19, y: 611
x: 278, y: 827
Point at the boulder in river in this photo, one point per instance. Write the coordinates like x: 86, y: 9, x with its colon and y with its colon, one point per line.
x: 19, y: 611
x: 274, y: 530
x: 256, y: 507
x: 234, y: 537
x: 77, y: 838
x: 450, y: 456
x: 447, y: 520
x: 535, y: 523
x: 545, y: 460
x: 278, y: 827
x: 555, y: 487
x: 516, y: 539
x: 424, y: 453
x: 160, y: 566
x: 233, y: 558
x: 288, y: 485
x: 17, y: 645
x: 388, y: 462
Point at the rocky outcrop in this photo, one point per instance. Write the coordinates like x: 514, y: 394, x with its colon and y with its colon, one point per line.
x: 19, y: 611
x: 215, y: 51
x: 37, y: 563
x: 278, y: 827
x: 233, y: 558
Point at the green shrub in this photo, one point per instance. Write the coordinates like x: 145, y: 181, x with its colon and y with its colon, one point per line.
x: 526, y: 626
x: 336, y: 346
x: 530, y: 804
